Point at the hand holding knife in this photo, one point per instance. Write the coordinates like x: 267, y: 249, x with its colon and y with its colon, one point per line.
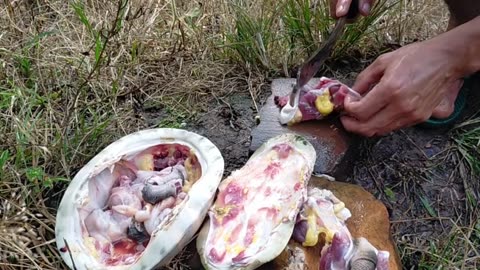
x: 313, y: 64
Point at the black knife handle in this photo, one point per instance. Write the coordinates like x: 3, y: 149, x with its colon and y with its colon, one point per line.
x: 353, y: 10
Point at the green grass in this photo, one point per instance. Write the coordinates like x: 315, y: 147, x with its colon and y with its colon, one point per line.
x: 467, y: 139
x: 458, y: 250
x: 281, y: 33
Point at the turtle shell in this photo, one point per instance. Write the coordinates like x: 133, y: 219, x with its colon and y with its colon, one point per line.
x: 254, y: 214
x: 204, y: 166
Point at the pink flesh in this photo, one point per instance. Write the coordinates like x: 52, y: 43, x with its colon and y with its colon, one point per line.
x: 165, y: 175
x: 107, y: 225
x: 333, y: 256
x: 124, y: 252
x: 98, y: 191
x: 125, y: 198
x: 157, y: 210
x: 383, y: 260
x: 254, y: 200
x: 125, y: 172
x: 308, y: 96
x: 99, y: 188
x: 115, y: 200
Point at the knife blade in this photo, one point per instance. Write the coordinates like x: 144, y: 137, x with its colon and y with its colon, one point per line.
x: 313, y: 64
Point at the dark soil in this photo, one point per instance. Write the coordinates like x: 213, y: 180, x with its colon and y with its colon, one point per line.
x: 228, y: 126
x: 419, y: 190
x: 418, y: 175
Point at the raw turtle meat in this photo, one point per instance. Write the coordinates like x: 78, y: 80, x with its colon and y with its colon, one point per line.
x: 138, y: 202
x: 323, y: 213
x: 317, y: 102
x: 255, y: 211
x: 261, y: 206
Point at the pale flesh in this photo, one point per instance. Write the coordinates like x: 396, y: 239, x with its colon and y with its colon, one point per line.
x: 126, y: 205
x: 252, y: 204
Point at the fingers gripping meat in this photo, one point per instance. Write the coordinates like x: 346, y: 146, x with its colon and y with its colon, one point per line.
x: 317, y: 102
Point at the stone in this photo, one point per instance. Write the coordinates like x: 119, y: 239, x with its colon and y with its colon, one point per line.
x: 336, y: 149
x: 369, y: 220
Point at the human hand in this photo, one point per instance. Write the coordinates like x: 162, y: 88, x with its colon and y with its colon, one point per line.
x: 408, y: 85
x: 339, y: 8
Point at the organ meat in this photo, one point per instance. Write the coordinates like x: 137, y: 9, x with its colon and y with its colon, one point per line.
x: 161, y: 185
x: 128, y: 203
x: 317, y: 102
x: 323, y: 213
x: 102, y: 218
x: 107, y: 226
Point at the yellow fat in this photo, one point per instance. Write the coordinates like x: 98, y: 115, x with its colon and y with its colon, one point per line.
x: 301, y: 174
x: 226, y: 237
x: 338, y: 207
x: 313, y: 231
x: 255, y: 238
x: 145, y: 163
x: 328, y: 234
x: 311, y: 237
x: 237, y: 249
x: 234, y: 250
x: 296, y: 119
x: 186, y: 187
x: 90, y: 243
x: 271, y: 155
x: 323, y: 103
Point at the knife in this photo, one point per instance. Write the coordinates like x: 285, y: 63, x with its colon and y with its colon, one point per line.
x: 313, y: 64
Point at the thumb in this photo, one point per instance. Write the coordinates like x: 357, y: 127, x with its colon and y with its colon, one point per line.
x: 370, y: 76
x: 365, y: 7
x: 349, y: 102
x: 342, y: 7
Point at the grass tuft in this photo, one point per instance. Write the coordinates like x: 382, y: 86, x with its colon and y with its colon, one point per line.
x: 467, y: 139
x: 456, y: 250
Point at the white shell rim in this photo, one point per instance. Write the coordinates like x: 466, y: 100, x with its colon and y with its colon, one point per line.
x: 179, y: 232
x: 285, y: 230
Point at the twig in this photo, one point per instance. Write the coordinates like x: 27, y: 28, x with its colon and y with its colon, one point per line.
x: 70, y: 253
x: 250, y: 90
x: 111, y: 33
x: 418, y: 147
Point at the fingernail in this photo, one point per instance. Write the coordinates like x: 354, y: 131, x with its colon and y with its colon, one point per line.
x: 366, y: 8
x: 341, y: 8
x: 347, y: 99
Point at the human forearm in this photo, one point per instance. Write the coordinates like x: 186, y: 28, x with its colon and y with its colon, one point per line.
x: 463, y: 45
